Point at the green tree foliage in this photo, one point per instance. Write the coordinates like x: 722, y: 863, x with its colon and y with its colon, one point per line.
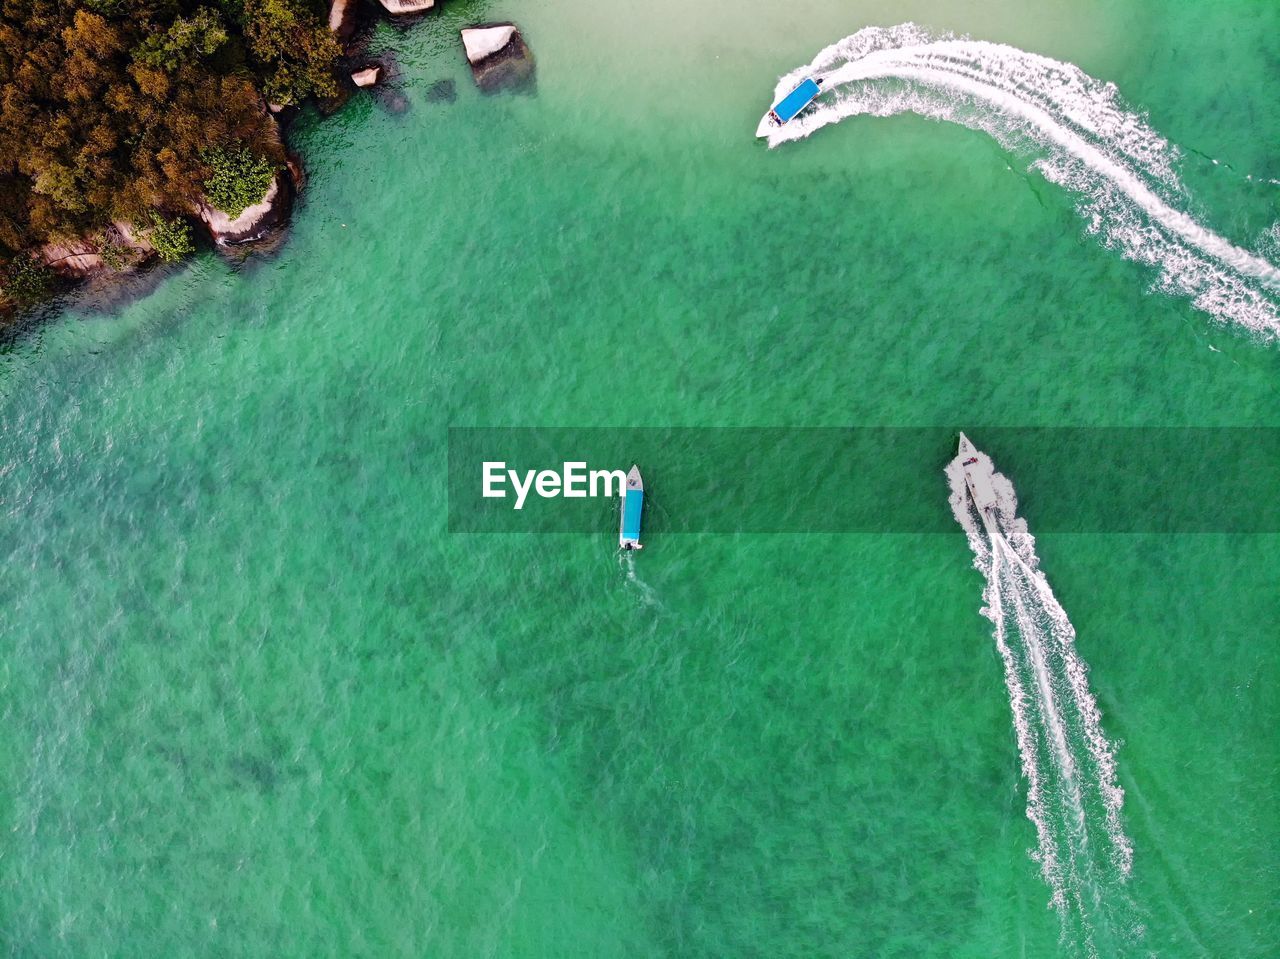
x: 170, y: 238
x: 25, y: 281
x: 115, y: 255
x: 107, y: 107
x: 292, y: 49
x: 238, y: 179
x: 187, y: 39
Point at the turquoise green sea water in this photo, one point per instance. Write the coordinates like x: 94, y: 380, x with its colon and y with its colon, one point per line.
x: 258, y: 701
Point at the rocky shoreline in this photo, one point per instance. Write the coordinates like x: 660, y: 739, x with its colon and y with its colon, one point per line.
x: 499, y: 58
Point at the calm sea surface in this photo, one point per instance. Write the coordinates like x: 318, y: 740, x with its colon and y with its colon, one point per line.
x: 258, y: 701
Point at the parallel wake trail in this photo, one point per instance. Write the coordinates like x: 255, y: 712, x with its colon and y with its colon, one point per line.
x: 1081, y: 136
x: 1073, y: 797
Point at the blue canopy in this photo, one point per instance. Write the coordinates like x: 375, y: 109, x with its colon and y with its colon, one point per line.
x: 797, y: 100
x: 631, y: 508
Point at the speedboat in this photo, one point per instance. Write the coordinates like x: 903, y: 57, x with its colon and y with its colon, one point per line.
x: 977, y: 475
x: 789, y: 107
x: 632, y: 506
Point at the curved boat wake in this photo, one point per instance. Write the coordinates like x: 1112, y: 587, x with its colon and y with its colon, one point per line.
x: 1081, y: 135
x: 1073, y: 797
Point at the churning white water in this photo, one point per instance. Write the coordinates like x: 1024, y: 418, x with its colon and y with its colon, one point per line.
x: 1075, y: 130
x: 1073, y: 797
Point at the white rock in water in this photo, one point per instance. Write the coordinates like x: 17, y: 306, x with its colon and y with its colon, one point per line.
x: 367, y: 77
x: 407, y: 6
x: 484, y: 42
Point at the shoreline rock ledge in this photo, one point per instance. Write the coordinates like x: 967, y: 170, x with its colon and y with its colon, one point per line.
x: 499, y: 57
x: 343, y: 17
x: 406, y: 7
x: 85, y: 257
x: 253, y: 223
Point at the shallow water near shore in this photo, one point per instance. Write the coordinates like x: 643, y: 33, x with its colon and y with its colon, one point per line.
x: 260, y: 702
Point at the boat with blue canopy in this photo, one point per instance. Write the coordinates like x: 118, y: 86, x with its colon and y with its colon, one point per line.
x: 789, y: 107
x: 632, y: 506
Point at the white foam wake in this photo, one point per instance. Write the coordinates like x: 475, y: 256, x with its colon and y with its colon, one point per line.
x: 1073, y: 797
x: 647, y: 595
x: 1078, y: 130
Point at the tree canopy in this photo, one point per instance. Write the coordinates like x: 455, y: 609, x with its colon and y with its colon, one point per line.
x: 113, y: 109
x: 239, y: 179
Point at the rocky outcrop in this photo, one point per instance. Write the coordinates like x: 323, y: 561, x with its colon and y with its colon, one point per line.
x: 405, y: 7
x: 131, y: 237
x: 499, y: 57
x: 77, y: 258
x: 120, y: 247
x: 293, y: 163
x: 254, y: 222
x: 483, y: 42
x: 343, y: 17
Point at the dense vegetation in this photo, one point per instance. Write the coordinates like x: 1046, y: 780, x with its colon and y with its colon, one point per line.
x: 171, y: 239
x: 238, y: 178
x: 137, y: 110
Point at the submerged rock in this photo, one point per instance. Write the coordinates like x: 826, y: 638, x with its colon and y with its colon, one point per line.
x: 404, y: 7
x: 442, y: 91
x: 393, y: 100
x: 367, y: 77
x: 499, y: 57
